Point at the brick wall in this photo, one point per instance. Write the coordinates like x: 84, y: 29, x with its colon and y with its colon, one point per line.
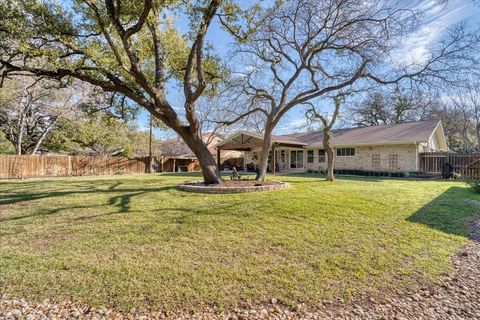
x: 394, y: 158
x: 376, y: 158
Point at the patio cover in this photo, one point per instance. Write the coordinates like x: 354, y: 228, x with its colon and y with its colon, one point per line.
x: 246, y: 141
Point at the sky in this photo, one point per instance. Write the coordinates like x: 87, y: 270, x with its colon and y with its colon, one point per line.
x: 438, y: 16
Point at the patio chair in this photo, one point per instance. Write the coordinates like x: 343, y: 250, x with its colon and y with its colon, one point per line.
x: 235, y: 175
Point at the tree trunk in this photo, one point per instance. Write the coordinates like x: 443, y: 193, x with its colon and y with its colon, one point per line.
x: 21, y: 123
x: 327, y: 145
x: 210, y: 171
x: 150, y: 134
x: 42, y: 137
x: 18, y: 144
x: 18, y: 150
x: 266, y: 146
x: 477, y: 127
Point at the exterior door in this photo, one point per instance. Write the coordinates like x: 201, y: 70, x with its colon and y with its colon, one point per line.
x: 296, y: 159
x: 281, y: 160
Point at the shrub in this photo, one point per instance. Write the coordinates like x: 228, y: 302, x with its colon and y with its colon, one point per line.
x: 357, y: 172
x: 474, y: 184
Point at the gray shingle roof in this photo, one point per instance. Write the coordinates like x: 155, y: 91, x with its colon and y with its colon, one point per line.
x: 288, y: 139
x: 393, y: 133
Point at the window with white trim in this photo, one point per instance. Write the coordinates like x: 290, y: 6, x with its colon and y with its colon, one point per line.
x: 376, y: 161
x: 310, y: 156
x: 393, y: 161
x: 321, y: 155
x: 345, y: 152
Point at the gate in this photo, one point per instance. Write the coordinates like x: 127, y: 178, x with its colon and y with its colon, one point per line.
x: 467, y: 164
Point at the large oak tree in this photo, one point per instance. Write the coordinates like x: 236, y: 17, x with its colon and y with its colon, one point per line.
x: 127, y: 47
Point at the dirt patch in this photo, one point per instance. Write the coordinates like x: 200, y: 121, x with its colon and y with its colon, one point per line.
x: 474, y: 202
x: 475, y: 230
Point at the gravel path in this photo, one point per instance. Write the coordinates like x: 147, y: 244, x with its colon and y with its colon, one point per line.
x: 457, y: 298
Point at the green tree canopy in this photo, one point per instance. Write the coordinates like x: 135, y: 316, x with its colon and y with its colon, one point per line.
x: 128, y: 47
x: 5, y: 145
x: 100, y: 135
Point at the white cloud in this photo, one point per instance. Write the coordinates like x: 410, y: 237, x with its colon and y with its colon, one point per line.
x: 292, y: 125
x: 437, y: 18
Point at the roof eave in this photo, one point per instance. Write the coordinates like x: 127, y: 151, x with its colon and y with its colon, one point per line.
x: 258, y: 136
x: 381, y: 143
x: 437, y: 127
x: 299, y: 143
x: 233, y: 135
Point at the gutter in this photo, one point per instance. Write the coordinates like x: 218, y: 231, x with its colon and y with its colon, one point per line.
x: 416, y: 156
x: 366, y: 144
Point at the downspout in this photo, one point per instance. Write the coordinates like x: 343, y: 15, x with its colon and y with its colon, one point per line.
x: 416, y: 156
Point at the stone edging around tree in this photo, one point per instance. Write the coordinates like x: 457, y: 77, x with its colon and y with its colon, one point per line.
x: 199, y: 187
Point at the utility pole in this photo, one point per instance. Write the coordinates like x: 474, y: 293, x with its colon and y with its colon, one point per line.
x: 150, y: 158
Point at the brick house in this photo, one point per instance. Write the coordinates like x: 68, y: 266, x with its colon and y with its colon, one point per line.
x: 392, y: 148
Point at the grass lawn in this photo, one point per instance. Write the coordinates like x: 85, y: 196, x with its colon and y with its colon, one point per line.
x: 137, y: 241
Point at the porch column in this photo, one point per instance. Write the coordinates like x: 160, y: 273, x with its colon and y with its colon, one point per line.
x: 244, y: 162
x: 218, y: 159
x: 273, y: 159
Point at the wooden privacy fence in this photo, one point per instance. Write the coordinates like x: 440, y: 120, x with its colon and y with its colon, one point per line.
x: 12, y: 167
x: 58, y: 166
x: 175, y: 164
x: 440, y: 163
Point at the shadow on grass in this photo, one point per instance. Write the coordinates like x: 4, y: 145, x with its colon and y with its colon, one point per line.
x: 183, y: 217
x: 198, y: 175
x: 182, y: 174
x: 121, y: 197
x: 303, y: 175
x: 451, y: 212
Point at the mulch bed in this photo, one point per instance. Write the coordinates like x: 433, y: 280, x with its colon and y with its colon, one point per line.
x: 234, y: 186
x: 238, y: 183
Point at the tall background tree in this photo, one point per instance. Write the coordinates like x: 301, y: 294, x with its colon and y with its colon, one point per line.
x: 304, y: 50
x: 30, y: 109
x: 459, y: 109
x: 380, y: 107
x: 96, y: 134
x: 457, y: 106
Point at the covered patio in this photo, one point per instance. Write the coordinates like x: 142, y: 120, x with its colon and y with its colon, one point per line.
x: 286, y: 154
